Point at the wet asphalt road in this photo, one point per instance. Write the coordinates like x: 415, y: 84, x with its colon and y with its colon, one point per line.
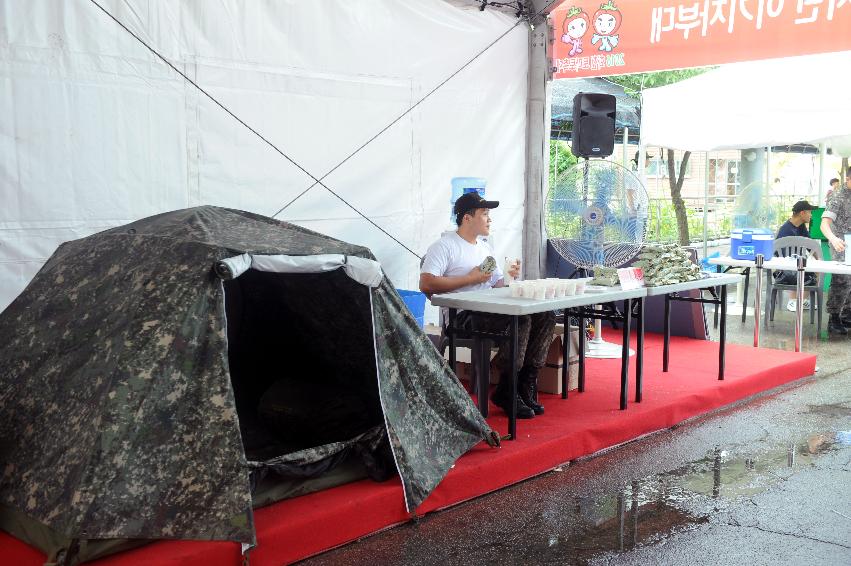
x: 765, y: 481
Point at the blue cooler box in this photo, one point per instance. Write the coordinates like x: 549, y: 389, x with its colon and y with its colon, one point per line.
x: 747, y: 243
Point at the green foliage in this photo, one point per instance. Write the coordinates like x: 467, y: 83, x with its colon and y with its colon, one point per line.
x: 561, y: 159
x: 662, y: 226
x: 635, y: 83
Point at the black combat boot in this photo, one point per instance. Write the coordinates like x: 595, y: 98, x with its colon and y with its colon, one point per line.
x: 527, y: 388
x: 835, y: 326
x: 502, y: 398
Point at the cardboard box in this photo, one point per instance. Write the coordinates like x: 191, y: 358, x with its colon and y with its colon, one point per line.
x: 549, y: 378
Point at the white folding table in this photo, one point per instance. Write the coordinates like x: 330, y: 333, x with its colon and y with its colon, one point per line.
x: 500, y: 301
x: 801, y: 266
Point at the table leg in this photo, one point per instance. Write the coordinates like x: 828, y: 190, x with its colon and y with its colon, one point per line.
x: 483, y: 375
x: 639, y: 350
x: 452, y: 319
x: 512, y: 418
x: 627, y: 319
x: 799, y: 310
x: 666, y: 333
x: 581, y: 350
x: 565, y: 355
x: 757, y: 300
x: 722, y: 333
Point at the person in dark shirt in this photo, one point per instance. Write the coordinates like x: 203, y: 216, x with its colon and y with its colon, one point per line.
x: 797, y: 224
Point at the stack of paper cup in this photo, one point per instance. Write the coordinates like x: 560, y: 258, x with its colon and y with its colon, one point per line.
x: 550, y: 287
x: 569, y: 287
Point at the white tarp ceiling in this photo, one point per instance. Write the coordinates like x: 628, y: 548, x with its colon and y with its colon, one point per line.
x: 756, y: 104
x: 96, y: 132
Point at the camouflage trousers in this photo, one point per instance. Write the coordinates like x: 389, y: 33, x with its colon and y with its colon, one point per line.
x: 839, y: 296
x: 534, y: 336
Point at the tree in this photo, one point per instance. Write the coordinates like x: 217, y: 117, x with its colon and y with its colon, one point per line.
x: 676, y: 182
x: 561, y: 159
x: 633, y: 85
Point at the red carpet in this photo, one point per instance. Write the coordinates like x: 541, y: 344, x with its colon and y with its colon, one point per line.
x: 580, y: 425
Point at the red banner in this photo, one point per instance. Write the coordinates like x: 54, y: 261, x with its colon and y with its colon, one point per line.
x: 616, y: 37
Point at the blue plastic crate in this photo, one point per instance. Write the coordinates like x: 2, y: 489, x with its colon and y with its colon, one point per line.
x: 415, y: 302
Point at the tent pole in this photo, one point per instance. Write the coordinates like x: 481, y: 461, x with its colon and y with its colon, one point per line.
x: 705, y: 202
x: 821, y: 152
x: 624, y: 159
x: 538, y: 132
x: 768, y: 182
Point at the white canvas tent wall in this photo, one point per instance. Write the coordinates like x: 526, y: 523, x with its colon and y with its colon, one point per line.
x: 756, y: 104
x: 96, y: 132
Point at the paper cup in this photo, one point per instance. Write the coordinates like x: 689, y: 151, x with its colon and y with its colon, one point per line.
x: 569, y: 287
x: 550, y: 287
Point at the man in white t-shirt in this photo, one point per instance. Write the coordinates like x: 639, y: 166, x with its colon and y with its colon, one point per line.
x: 453, y: 263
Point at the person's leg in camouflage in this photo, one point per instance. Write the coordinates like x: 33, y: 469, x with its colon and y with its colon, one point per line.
x: 535, y: 356
x: 498, y: 323
x: 837, y: 301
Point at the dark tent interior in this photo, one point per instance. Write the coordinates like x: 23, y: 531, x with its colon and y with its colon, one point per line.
x: 302, y: 364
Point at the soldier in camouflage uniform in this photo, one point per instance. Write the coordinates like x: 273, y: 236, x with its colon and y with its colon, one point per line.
x: 835, y: 224
x: 453, y: 264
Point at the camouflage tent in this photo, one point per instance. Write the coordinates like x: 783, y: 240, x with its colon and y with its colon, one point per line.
x: 132, y: 362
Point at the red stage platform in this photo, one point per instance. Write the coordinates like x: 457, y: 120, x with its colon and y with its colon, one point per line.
x: 581, y: 425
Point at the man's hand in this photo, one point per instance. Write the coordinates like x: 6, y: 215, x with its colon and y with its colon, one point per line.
x: 837, y: 244
x: 476, y: 276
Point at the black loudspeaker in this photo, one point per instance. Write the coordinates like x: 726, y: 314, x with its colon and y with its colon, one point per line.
x: 593, y: 125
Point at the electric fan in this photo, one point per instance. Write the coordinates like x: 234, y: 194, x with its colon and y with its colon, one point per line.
x: 596, y: 214
x: 754, y: 208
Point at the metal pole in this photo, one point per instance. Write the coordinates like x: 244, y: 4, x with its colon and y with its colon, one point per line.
x: 757, y: 300
x: 625, y: 158
x: 821, y: 152
x: 799, y: 308
x: 705, y: 203
x: 768, y: 181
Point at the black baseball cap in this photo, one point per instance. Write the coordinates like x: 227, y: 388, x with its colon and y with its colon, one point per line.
x: 802, y: 205
x: 472, y: 201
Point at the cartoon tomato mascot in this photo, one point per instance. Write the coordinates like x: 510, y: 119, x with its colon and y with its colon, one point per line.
x: 607, y: 20
x: 576, y: 23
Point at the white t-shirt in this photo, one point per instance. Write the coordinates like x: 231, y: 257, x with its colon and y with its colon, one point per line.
x: 452, y: 256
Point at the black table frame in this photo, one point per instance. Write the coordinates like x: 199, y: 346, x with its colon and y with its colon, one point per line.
x: 631, y: 307
x: 451, y: 330
x: 718, y: 299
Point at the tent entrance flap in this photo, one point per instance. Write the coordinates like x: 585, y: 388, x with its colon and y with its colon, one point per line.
x: 302, y: 365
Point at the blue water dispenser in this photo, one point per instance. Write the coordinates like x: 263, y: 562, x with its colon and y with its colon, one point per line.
x: 461, y: 185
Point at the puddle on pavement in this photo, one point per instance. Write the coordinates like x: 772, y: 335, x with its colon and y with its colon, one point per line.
x: 651, y: 509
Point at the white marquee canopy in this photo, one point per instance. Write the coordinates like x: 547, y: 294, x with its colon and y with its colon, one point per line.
x: 95, y: 131
x: 793, y: 100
